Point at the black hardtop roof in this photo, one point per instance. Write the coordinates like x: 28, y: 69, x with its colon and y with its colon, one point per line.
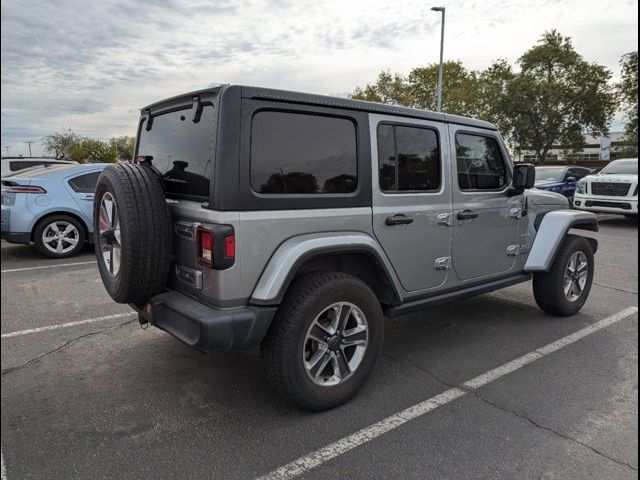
x: 336, y: 102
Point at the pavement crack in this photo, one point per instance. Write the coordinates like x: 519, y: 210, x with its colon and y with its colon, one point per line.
x: 424, y: 370
x: 62, y: 347
x: 550, y: 430
x: 610, y: 287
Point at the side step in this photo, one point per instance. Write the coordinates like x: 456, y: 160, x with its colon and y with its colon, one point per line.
x: 439, y: 299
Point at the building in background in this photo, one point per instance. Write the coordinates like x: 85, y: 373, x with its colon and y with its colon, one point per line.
x: 596, y: 152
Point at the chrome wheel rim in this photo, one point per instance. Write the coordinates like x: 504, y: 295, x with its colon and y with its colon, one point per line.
x: 335, y: 344
x: 575, y: 276
x: 60, y: 237
x: 110, y: 240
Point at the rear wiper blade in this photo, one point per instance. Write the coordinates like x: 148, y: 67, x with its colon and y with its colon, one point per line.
x: 174, y: 180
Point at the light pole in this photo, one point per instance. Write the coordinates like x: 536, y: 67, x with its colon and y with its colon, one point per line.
x: 441, y: 70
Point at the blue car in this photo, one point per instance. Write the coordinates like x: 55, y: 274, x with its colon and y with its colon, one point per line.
x: 51, y: 206
x: 562, y: 180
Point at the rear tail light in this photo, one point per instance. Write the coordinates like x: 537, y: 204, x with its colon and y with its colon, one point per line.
x: 205, y: 246
x: 23, y: 189
x: 215, y: 246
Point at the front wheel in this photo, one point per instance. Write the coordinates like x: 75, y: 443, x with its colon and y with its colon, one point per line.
x: 564, y: 289
x: 324, y: 340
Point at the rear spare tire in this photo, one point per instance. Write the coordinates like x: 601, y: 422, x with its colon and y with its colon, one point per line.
x: 132, y: 232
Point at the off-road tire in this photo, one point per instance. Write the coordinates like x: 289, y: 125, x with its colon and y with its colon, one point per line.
x: 281, y: 350
x: 548, y: 287
x: 45, y: 222
x: 145, y: 229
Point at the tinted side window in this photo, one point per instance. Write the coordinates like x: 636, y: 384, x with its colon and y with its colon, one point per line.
x: 480, y: 163
x: 84, y: 183
x: 298, y: 153
x: 408, y: 158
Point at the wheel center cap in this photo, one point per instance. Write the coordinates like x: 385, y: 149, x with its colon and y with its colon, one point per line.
x: 334, y: 342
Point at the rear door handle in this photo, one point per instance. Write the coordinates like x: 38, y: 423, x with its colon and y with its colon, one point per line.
x: 398, y: 219
x: 466, y: 215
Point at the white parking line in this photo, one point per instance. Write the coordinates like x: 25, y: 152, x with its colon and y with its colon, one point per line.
x: 20, y: 333
x: 4, y: 470
x: 45, y: 266
x: 339, y: 447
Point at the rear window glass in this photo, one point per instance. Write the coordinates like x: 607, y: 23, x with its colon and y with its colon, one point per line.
x: 181, y: 150
x: 294, y: 153
x: 84, y: 183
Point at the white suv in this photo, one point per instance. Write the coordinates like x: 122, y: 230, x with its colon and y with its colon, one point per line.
x: 613, y: 190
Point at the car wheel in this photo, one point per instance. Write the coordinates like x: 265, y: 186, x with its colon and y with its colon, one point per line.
x: 59, y: 236
x: 565, y: 288
x: 324, y: 340
x: 132, y: 232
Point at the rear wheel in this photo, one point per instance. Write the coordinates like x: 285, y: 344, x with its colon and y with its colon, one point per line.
x: 59, y: 236
x: 324, y: 340
x: 565, y: 288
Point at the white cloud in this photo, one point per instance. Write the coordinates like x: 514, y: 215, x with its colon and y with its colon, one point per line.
x: 91, y: 65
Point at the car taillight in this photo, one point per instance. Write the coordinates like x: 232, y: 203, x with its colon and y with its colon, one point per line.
x: 23, y: 189
x: 215, y: 246
x: 230, y: 246
x: 205, y: 246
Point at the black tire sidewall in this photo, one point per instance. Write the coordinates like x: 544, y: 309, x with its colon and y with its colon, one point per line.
x: 145, y: 232
x: 298, y: 385
x: 549, y: 287
x: 42, y: 224
x: 113, y: 283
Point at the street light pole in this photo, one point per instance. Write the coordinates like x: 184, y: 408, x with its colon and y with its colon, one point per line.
x: 441, y: 69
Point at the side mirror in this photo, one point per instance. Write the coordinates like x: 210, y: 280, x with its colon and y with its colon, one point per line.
x: 524, y: 177
x: 571, y: 180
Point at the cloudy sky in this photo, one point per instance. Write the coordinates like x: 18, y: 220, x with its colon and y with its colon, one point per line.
x: 89, y: 65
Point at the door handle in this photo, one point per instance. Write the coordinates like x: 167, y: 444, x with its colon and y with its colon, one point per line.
x: 398, y: 219
x: 466, y: 215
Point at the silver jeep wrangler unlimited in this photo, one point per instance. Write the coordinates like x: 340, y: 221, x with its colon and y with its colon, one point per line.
x: 253, y: 217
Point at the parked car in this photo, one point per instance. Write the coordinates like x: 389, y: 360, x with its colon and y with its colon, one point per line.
x: 50, y: 206
x: 15, y: 164
x: 560, y: 179
x: 295, y: 222
x: 613, y: 190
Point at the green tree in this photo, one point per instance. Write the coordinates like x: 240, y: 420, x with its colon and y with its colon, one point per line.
x: 59, y: 144
x: 557, y: 97
x: 389, y: 88
x: 628, y: 93
x: 122, y: 147
x: 93, y: 151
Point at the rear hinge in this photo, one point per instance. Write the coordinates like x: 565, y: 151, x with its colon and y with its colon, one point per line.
x: 443, y: 263
x: 516, y: 250
x: 445, y: 219
x: 516, y: 212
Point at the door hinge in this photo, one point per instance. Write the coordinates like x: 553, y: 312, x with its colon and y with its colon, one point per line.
x: 443, y: 263
x: 516, y: 250
x: 516, y: 212
x: 445, y: 219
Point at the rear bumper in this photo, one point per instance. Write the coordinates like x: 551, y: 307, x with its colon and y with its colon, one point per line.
x: 16, y: 237
x: 206, y: 328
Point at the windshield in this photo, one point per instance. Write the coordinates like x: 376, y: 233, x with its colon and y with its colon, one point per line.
x: 181, y: 149
x: 549, y: 174
x: 626, y: 167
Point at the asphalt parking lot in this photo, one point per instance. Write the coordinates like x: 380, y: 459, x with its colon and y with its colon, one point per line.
x: 101, y: 398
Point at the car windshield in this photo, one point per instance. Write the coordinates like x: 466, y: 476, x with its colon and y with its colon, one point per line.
x: 549, y: 174
x: 628, y: 167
